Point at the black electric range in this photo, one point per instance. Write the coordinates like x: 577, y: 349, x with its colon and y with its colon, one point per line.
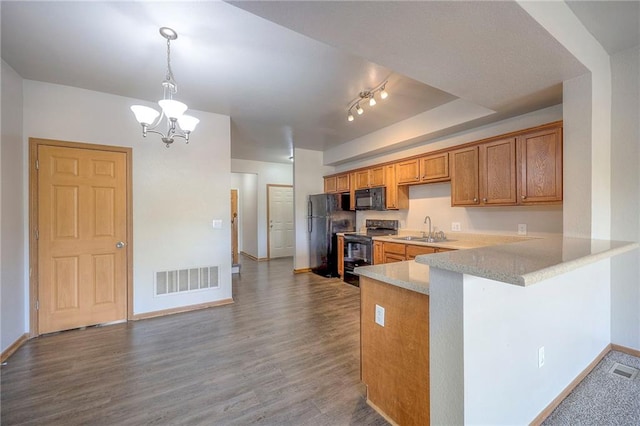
x: 358, y: 247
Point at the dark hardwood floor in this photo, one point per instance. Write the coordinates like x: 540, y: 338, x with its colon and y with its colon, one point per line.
x: 286, y: 353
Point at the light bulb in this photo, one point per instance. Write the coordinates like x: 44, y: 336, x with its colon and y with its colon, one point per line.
x: 359, y: 109
x: 350, y: 117
x: 372, y: 101
x: 383, y: 94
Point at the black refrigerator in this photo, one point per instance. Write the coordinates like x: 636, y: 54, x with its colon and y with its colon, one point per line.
x: 327, y: 215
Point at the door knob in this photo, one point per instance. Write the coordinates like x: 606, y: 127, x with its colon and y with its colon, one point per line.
x: 120, y: 244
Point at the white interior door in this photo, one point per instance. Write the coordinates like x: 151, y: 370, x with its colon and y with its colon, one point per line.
x: 280, y: 218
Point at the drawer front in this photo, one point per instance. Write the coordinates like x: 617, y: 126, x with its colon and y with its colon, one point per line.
x: 396, y: 248
x: 413, y: 251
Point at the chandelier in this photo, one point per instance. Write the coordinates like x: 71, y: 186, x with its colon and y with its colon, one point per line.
x: 177, y: 125
x: 367, y: 95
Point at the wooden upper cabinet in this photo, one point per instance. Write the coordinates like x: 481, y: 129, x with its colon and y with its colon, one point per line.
x: 464, y: 177
x: 336, y: 183
x: 434, y: 168
x: 376, y: 176
x: 370, y: 178
x: 330, y: 184
x: 341, y: 256
x: 342, y: 183
x: 540, y: 166
x: 397, y: 197
x: 498, y: 172
x: 352, y: 191
x: 362, y: 179
x: 408, y: 172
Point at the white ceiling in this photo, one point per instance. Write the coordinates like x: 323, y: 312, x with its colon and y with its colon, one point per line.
x: 286, y: 71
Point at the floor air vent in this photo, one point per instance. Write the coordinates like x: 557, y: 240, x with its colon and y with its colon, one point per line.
x: 183, y: 280
x: 623, y: 371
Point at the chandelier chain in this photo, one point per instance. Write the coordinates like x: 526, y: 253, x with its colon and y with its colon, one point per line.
x: 173, y: 88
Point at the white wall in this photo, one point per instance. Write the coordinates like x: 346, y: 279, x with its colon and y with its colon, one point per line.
x: 13, y: 217
x: 177, y: 192
x: 503, y: 326
x: 307, y: 174
x: 577, y: 156
x: 267, y: 173
x: 625, y: 196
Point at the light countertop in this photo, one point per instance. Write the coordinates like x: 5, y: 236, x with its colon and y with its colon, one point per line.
x: 527, y: 262
x: 409, y: 274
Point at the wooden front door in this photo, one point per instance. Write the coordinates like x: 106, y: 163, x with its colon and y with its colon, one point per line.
x: 234, y: 226
x: 82, y: 228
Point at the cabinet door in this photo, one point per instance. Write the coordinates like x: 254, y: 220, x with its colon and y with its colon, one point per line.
x: 540, y: 166
x: 342, y: 183
x: 464, y: 177
x: 408, y: 172
x: 498, y: 172
x: 352, y: 191
x: 376, y: 176
x: 362, y: 179
x: 434, y: 168
x: 413, y: 251
x: 330, y: 184
x: 378, y: 252
x: 391, y: 196
x: 341, y: 256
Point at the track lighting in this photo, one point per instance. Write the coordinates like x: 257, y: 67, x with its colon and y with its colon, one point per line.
x: 367, y: 95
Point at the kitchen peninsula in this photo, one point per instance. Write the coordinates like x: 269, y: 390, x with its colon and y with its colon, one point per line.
x: 489, y: 313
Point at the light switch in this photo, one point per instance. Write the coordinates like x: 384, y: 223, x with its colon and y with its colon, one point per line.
x: 217, y: 224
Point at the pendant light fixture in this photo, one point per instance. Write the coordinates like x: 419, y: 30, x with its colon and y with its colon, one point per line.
x: 177, y: 124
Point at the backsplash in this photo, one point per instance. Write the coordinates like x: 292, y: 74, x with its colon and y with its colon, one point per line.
x: 434, y: 200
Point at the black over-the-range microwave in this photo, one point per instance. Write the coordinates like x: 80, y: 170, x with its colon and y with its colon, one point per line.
x: 370, y: 199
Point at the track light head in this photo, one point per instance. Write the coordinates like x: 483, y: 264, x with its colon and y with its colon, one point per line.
x: 359, y: 109
x: 372, y: 100
x: 350, y: 117
x: 383, y: 93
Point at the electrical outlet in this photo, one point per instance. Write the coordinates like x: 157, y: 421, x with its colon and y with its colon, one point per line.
x: 380, y: 315
x: 522, y: 229
x: 540, y: 356
x: 455, y: 226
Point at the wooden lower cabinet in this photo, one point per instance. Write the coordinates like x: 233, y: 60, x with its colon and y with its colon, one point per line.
x: 386, y: 252
x: 413, y: 251
x: 341, y: 256
x: 395, y: 358
x: 378, y: 252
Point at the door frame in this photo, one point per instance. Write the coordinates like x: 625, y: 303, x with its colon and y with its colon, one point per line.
x: 270, y: 185
x: 34, y: 144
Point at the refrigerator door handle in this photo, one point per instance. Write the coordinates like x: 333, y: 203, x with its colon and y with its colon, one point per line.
x: 309, y: 224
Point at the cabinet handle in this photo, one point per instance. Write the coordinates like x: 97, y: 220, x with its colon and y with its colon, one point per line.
x: 484, y: 200
x: 475, y: 200
x: 524, y: 197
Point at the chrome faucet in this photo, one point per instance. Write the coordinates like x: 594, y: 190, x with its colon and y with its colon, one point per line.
x: 427, y: 218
